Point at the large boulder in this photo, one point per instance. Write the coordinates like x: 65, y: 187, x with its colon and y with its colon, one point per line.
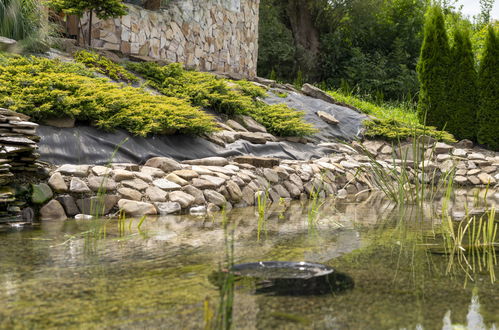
x: 134, y: 208
x: 41, y: 193
x: 97, y: 205
x: 53, y: 211
x: 57, y: 183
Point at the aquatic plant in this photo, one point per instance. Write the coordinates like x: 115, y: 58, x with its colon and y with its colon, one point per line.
x: 262, y: 204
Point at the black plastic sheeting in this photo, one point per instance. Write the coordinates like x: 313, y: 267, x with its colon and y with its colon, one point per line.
x: 349, y: 128
x: 89, y: 145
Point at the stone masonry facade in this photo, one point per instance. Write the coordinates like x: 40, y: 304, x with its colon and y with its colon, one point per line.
x: 209, y: 35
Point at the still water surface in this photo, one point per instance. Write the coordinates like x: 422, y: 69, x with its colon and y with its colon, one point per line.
x: 83, y: 274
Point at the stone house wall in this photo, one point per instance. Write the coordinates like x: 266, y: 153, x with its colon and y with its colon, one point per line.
x: 210, y: 35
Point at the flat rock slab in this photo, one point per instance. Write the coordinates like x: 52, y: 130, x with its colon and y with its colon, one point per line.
x: 135, y: 208
x: 209, y: 161
x: 266, y: 162
x: 328, y: 118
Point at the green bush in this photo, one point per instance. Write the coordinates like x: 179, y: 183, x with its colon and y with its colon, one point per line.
x: 43, y: 88
x: 223, y: 96
x: 103, y: 65
x: 488, y: 112
x: 462, y: 94
x: 396, y: 131
x: 433, y: 68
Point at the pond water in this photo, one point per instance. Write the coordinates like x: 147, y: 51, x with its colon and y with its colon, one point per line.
x: 110, y: 274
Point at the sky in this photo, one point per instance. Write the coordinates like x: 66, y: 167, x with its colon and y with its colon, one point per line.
x: 472, y: 7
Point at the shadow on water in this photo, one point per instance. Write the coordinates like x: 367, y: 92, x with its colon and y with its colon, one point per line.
x: 391, y: 269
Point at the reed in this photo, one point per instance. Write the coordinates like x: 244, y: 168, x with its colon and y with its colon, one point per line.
x: 262, y: 205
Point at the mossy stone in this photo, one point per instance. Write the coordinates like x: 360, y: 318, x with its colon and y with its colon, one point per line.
x: 41, y: 193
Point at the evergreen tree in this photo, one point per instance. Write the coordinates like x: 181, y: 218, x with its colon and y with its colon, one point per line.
x: 488, y: 112
x: 463, y: 90
x: 433, y: 70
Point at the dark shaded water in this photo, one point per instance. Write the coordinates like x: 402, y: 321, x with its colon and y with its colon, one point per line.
x: 84, y: 274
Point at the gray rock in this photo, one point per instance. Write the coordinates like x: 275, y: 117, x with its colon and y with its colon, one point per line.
x: 176, y: 179
x: 57, y: 183
x: 283, y: 193
x: 128, y: 193
x: 186, y: 174
x: 143, y: 176
x: 294, y: 191
x: 386, y: 150
x: 476, y: 156
x: 474, y: 180
x: 164, y: 163
x: 166, y: 185
x: 317, y: 93
x: 74, y: 170
x: 217, y: 181
x: 41, y: 193
x: 185, y: 200
x: 236, y: 126
x: 328, y: 118
x: 251, y: 125
x: 78, y: 186
x: 274, y: 196
x: 460, y: 179
x: 101, y: 171
x: 235, y: 192
x: 227, y: 136
x: 486, y: 178
x: 459, y: 152
x: 134, y: 208
x: 203, y: 184
x: 266, y: 162
x: 136, y: 184
x: 152, y: 171
x: 256, y: 138
x: 7, y: 44
x: 121, y: 175
x: 212, y: 208
x: 198, y: 210
x: 53, y: 210
x: 296, y: 180
x: 209, y: 161
x: 271, y: 175
x: 103, y: 184
x: 215, y: 197
x: 248, y: 196
x: 240, y: 182
x: 155, y: 194
x: 342, y: 194
x: 467, y: 144
x: 196, y: 193
x: 442, y: 148
x: 168, y: 208
x: 97, y: 205
x: 69, y: 205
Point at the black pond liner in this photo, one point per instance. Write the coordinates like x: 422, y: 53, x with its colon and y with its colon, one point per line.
x: 294, y: 278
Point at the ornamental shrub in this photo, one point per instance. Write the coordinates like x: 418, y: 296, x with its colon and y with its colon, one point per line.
x: 462, y: 96
x: 433, y: 68
x: 488, y: 112
x: 104, y: 65
x: 44, y: 88
x: 223, y: 96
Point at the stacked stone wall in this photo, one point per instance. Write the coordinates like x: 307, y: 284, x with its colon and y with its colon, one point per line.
x: 210, y: 35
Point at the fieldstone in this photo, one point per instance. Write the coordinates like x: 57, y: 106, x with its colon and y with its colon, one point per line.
x: 460, y: 179
x: 41, y: 193
x: 474, y: 180
x: 281, y: 172
x: 459, y: 153
x: 349, y: 164
x: 155, y: 194
x: 201, y: 170
x: 461, y: 172
x: 185, y: 200
x: 328, y: 118
x: 196, y: 193
x: 226, y: 136
x: 7, y: 44
x: 442, y: 148
x: 292, y: 188
x: 443, y: 157
x: 74, y: 170
x: 203, y: 184
x: 164, y: 163
x: 236, y: 126
x: 121, y: 175
x: 251, y: 125
x: 215, y: 197
x: 143, y: 176
x: 132, y: 194
x: 56, y: 182
x: 136, y: 184
x: 386, y: 150
x: 248, y: 196
x: 271, y: 175
x: 212, y: 208
x: 168, y: 208
x: 486, y: 178
x: 216, y: 181
x: 69, y: 205
x: 476, y: 156
x: 489, y: 169
x: 283, y: 193
x: 152, y: 171
x: 446, y: 166
x: 101, y: 170
x: 256, y: 138
x: 465, y: 143
x: 135, y: 208
x: 125, y: 166
x: 342, y: 194
x: 260, y: 197
x: 224, y: 192
x: 240, y: 182
x: 186, y: 174
x: 97, y: 205
x: 101, y: 184
x: 473, y: 171
x: 78, y: 186
x: 296, y: 180
x: 166, y: 184
x: 176, y: 179
x: 233, y: 168
x: 53, y: 211
x: 274, y: 196
x: 198, y: 210
x: 317, y: 93
x: 235, y: 192
x: 209, y: 161
x: 265, y: 162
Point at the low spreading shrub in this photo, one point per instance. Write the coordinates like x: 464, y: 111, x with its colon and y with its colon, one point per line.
x: 223, y: 96
x: 104, y: 65
x: 43, y: 88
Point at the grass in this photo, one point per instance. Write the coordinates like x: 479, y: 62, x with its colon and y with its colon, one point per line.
x: 262, y: 204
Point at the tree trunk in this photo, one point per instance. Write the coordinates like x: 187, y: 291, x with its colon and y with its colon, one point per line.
x: 90, y: 28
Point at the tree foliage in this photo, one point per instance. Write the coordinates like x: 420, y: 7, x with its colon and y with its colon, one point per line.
x: 488, y: 113
x: 102, y: 8
x: 463, y: 90
x: 433, y: 69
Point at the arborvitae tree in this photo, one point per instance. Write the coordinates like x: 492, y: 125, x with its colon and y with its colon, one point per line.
x: 488, y: 112
x: 433, y: 69
x: 462, y: 97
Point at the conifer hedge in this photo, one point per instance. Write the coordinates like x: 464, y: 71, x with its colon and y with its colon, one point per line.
x: 433, y: 69
x: 488, y: 112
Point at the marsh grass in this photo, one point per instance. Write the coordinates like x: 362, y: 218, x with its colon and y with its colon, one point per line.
x: 262, y: 203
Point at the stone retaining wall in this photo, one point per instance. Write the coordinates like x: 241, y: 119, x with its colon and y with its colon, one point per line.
x: 164, y: 186
x: 210, y: 35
